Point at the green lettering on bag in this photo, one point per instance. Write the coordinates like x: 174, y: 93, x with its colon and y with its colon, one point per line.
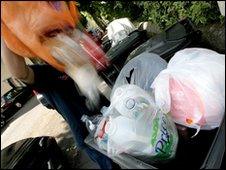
x: 154, y: 131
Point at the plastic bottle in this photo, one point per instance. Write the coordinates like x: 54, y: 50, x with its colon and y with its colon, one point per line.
x: 91, y: 122
x: 132, y: 102
x: 123, y: 136
x: 95, y: 53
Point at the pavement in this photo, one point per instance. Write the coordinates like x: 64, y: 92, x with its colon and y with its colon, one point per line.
x: 34, y: 120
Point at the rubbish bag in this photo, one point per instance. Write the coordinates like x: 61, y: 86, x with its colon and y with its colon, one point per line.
x: 141, y: 71
x: 192, y: 88
x: 137, y: 127
x: 133, y: 102
x: 119, y: 29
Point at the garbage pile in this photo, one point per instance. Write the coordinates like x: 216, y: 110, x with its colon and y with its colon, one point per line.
x: 141, y: 118
x: 137, y: 127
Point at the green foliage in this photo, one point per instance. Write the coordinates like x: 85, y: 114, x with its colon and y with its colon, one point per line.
x: 203, y: 12
x: 222, y: 19
x: 83, y: 20
x: 161, y: 13
x: 115, y: 9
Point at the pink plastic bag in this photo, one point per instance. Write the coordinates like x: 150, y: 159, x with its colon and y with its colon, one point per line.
x: 192, y: 88
x: 192, y: 111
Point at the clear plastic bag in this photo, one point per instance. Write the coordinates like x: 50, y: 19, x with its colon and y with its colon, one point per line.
x: 141, y: 71
x: 192, y: 88
x: 101, y: 137
x: 133, y: 102
x: 91, y: 122
x: 137, y: 127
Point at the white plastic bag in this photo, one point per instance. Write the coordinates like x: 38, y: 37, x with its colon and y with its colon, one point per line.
x: 137, y: 127
x: 141, y: 71
x: 119, y: 29
x: 133, y: 102
x: 192, y: 88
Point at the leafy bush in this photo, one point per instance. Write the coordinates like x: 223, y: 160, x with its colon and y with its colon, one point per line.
x: 161, y: 13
